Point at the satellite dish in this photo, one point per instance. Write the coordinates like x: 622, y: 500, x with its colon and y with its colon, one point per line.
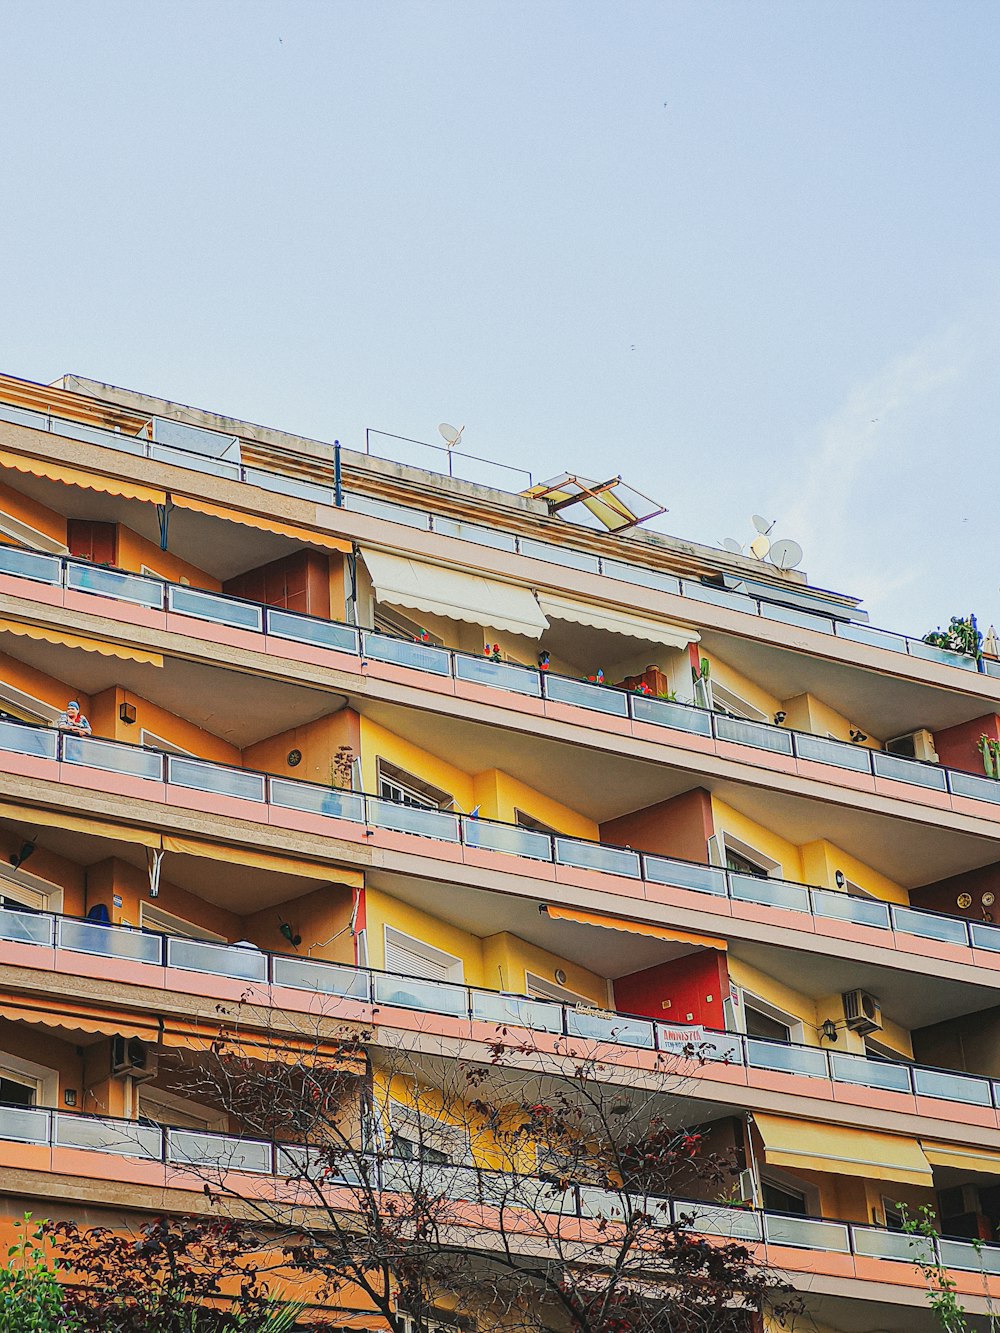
x: 732, y: 545
x: 760, y: 546
x: 786, y: 554
x: 449, y: 434
x: 763, y: 525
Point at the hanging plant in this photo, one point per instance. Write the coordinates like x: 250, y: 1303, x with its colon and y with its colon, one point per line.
x: 990, y: 750
x: 961, y: 636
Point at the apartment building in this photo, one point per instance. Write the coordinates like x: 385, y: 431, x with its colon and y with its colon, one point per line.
x: 435, y: 751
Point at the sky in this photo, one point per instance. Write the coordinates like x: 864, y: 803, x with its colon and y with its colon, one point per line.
x: 743, y: 253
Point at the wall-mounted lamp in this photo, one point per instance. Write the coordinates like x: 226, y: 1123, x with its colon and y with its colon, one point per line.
x: 560, y: 976
x: 828, y: 1032
x: 857, y: 736
x: 779, y: 717
x: 27, y: 849
x: 839, y: 878
x: 127, y: 713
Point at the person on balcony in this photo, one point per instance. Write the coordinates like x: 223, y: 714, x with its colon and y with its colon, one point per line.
x: 73, y: 720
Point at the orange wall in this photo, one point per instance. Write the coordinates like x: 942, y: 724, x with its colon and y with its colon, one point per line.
x: 70, y: 877
x: 34, y: 514
x: 322, y: 918
x: 318, y: 741
x: 105, y: 719
x: 135, y: 551
x: 51, y: 691
x: 115, y: 877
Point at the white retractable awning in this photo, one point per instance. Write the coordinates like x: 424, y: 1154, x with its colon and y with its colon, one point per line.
x: 455, y: 594
x: 616, y: 622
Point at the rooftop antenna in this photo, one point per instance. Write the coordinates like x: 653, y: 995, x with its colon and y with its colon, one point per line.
x: 449, y: 434
x: 731, y: 545
x: 784, y: 554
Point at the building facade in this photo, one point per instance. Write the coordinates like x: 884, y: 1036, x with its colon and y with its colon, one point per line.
x: 427, y: 749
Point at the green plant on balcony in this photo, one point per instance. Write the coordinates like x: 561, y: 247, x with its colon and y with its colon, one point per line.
x: 962, y: 636
x: 942, y: 1289
x: 990, y: 750
x: 342, y: 769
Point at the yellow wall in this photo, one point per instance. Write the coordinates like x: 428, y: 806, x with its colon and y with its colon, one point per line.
x: 506, y: 958
x: 135, y: 551
x: 318, y: 742
x: 498, y: 795
x: 731, y: 679
x: 34, y: 514
x: 807, y: 713
x: 821, y: 860
x: 65, y: 875
x: 381, y: 910
x: 770, y: 845
x: 113, y: 877
x: 378, y: 743
x: 105, y: 720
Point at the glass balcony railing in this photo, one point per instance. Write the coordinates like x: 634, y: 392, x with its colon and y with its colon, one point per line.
x: 501, y: 675
x: 488, y: 835
x: 193, y: 448
x: 209, y: 1155
x: 132, y: 760
x: 510, y: 677
x: 247, y: 963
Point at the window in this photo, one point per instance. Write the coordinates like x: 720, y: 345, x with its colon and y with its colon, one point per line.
x: 763, y: 1025
x: 418, y: 1137
x: 523, y: 820
x: 155, y: 742
x: 743, y: 859
x: 409, y: 957
x: 165, y: 923
x: 781, y: 1198
x: 893, y: 1215
x: 390, y: 621
x: 766, y: 1021
x: 24, y: 707
x: 540, y: 989
x: 15, y: 1093
x: 24, y: 1083
x: 159, y: 1107
x: 22, y: 891
x: 725, y: 701
x: 404, y: 789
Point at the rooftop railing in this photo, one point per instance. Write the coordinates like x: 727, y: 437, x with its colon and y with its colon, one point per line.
x: 490, y: 835
x: 369, y: 986
x: 206, y: 1154
x: 512, y: 678
x: 793, y: 606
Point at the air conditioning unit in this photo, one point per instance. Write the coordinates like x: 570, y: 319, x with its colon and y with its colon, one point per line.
x: 862, y: 1012
x: 132, y: 1058
x: 914, y: 745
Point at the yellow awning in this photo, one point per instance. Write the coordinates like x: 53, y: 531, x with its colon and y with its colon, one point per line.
x: 246, y: 856
x: 454, y: 594
x: 972, y: 1161
x: 74, y: 476
x: 616, y: 622
x: 324, y: 539
x: 635, y: 927
x: 97, y: 828
x: 49, y: 634
x: 93, y: 1020
x: 806, y: 1145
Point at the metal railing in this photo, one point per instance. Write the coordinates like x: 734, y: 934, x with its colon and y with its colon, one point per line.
x: 202, y: 1153
x: 374, y: 812
x: 369, y: 986
x: 512, y: 678
x: 787, y: 606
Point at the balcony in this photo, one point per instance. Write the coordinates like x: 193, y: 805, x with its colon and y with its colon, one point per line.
x: 132, y: 1153
x: 650, y: 719
x: 365, y: 994
x: 357, y: 817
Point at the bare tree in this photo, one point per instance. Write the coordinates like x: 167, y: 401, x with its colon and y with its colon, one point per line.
x: 507, y: 1186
